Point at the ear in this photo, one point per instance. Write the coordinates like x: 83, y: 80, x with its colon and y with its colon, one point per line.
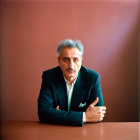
x: 81, y: 59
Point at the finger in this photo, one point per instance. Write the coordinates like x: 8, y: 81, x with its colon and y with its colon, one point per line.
x: 58, y: 107
x: 95, y: 102
x: 101, y: 119
x: 102, y: 115
x: 103, y: 112
x: 101, y: 108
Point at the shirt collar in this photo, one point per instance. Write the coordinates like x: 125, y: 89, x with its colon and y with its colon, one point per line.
x: 68, y: 82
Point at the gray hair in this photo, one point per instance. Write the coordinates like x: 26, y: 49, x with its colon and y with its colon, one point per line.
x: 71, y: 44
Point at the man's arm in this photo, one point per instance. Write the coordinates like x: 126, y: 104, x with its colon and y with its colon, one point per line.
x: 96, y: 109
x: 48, y: 113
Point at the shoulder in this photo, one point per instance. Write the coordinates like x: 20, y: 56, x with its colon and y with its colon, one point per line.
x: 89, y: 76
x: 88, y: 72
x: 53, y: 72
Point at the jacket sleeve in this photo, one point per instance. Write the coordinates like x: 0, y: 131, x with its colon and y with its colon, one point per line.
x: 96, y: 92
x: 49, y: 114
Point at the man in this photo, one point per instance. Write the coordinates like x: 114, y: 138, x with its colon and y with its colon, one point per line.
x: 70, y: 93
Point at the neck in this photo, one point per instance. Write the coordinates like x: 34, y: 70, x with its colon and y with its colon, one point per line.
x: 70, y: 80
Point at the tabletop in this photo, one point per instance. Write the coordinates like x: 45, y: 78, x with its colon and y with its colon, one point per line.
x: 27, y: 130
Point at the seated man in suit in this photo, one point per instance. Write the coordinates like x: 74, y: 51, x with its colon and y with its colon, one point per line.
x: 70, y: 93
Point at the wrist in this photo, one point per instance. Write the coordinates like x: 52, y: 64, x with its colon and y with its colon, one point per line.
x: 84, y: 117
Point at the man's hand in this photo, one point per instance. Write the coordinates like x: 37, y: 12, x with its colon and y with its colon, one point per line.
x: 95, y: 113
x: 58, y: 107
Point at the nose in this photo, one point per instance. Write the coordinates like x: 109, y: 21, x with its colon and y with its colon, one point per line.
x: 71, y: 64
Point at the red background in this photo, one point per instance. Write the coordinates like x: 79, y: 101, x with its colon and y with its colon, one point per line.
x: 31, y: 31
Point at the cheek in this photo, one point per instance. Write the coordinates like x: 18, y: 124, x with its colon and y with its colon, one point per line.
x: 78, y: 65
x: 63, y: 66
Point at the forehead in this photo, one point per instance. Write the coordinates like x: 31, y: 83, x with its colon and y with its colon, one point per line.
x: 70, y: 52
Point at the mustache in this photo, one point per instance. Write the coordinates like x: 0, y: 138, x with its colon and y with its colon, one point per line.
x: 70, y: 69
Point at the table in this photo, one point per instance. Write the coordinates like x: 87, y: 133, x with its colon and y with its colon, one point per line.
x: 26, y: 130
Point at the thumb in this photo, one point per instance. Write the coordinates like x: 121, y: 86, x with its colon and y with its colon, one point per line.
x: 58, y: 107
x: 95, y: 101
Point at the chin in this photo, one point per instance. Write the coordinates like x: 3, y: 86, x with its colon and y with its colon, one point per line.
x: 71, y: 76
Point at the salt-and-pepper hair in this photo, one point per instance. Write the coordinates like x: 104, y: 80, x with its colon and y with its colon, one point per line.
x: 70, y: 44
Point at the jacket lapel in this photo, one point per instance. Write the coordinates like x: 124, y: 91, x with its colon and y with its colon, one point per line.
x: 61, y: 91
x: 79, y: 93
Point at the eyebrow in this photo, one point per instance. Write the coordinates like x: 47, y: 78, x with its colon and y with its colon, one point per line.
x: 72, y: 57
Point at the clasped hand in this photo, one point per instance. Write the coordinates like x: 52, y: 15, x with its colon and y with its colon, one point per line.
x: 95, y: 113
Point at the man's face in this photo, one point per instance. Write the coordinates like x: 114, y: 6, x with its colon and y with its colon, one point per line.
x: 70, y: 61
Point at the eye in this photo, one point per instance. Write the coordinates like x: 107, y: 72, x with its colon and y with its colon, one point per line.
x: 75, y: 59
x: 65, y: 59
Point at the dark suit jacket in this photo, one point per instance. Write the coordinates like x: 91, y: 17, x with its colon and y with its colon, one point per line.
x: 53, y: 93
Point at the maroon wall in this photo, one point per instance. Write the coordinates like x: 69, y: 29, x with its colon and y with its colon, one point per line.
x: 31, y: 32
